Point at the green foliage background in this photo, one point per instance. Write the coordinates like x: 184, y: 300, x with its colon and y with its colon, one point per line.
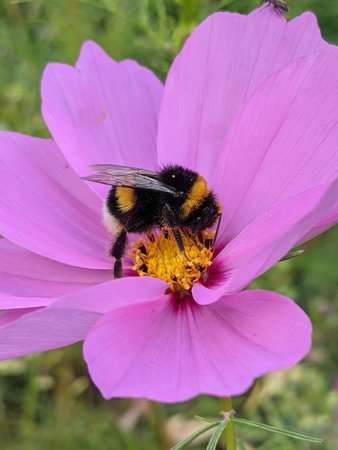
x: 47, y: 401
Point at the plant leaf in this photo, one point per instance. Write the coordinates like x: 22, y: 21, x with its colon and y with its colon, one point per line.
x: 292, y: 254
x: 216, y: 435
x: 195, y: 435
x: 205, y: 419
x: 288, y: 433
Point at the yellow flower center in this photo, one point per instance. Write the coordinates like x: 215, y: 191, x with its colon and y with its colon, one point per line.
x: 160, y: 257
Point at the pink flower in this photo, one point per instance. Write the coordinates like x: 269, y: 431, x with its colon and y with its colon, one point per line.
x: 251, y: 103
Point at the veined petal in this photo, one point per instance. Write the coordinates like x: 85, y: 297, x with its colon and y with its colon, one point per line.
x: 44, y: 205
x: 220, y: 66
x: 26, y: 274
x: 68, y: 319
x: 284, y: 142
x: 9, y: 303
x: 266, y: 240
x: 102, y: 111
x: 12, y: 315
x: 330, y: 219
x: 43, y: 329
x: 114, y: 294
x: 170, y: 352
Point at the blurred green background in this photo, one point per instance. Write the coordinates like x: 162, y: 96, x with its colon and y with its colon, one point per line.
x: 47, y: 401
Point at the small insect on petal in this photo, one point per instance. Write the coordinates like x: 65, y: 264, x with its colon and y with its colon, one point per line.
x: 279, y: 5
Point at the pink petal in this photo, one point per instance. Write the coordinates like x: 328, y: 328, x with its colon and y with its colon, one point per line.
x: 45, y: 207
x: 68, y: 319
x: 327, y: 222
x: 102, y: 111
x: 170, y: 352
x: 20, y: 303
x: 114, y: 294
x: 7, y: 317
x: 26, y: 274
x: 266, y: 240
x: 219, y: 68
x: 284, y: 141
x: 42, y: 330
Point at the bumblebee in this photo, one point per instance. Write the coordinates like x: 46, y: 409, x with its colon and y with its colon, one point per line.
x: 279, y: 5
x: 173, y: 199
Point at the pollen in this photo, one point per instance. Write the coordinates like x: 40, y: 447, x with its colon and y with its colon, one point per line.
x: 159, y: 256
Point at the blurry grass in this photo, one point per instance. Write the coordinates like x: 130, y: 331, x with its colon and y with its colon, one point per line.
x: 47, y: 401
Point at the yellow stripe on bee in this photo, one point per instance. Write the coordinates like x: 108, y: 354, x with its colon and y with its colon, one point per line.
x: 198, y: 192
x: 125, y: 198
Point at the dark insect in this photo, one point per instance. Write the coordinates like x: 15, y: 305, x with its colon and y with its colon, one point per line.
x: 175, y: 199
x: 279, y: 5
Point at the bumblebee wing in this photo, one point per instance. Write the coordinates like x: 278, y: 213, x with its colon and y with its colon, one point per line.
x: 114, y: 175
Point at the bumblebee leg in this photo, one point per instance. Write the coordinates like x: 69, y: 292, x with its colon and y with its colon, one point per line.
x: 179, y: 241
x: 180, y: 245
x: 150, y: 236
x: 176, y: 231
x: 217, y: 230
x: 170, y: 224
x: 117, y: 251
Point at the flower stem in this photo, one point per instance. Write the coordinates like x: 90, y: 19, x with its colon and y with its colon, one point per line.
x: 229, y: 436
x: 159, y: 422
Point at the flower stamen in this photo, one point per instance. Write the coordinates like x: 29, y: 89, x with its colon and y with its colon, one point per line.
x: 158, y: 256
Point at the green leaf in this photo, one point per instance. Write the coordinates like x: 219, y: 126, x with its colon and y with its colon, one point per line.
x: 195, y: 435
x: 205, y: 419
x: 288, y: 433
x: 292, y: 254
x: 216, y: 435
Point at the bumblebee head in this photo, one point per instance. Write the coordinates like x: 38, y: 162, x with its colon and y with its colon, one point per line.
x: 205, y: 215
x: 178, y: 177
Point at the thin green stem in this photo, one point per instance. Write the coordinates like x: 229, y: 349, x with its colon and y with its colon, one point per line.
x: 229, y: 433
x: 159, y: 420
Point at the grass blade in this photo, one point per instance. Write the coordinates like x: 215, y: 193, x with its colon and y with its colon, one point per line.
x: 288, y: 433
x: 216, y: 435
x: 195, y: 435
